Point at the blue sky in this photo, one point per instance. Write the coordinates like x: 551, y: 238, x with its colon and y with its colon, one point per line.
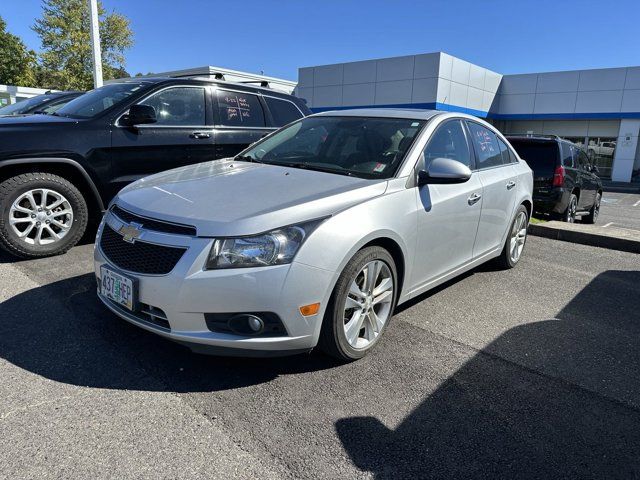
x: 277, y: 37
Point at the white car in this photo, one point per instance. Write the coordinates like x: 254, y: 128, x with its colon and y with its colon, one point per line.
x: 314, y: 234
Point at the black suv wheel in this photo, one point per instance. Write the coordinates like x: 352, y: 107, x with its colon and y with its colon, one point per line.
x: 595, y: 210
x: 41, y: 214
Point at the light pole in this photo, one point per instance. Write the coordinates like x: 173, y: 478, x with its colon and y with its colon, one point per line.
x: 95, y: 43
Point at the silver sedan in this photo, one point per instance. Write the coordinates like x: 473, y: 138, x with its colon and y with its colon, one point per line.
x: 315, y: 234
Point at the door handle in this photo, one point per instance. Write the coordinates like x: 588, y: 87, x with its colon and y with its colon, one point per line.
x: 473, y: 199
x: 200, y: 135
x: 510, y: 184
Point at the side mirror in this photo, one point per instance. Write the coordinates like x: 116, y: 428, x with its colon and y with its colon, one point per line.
x: 595, y: 169
x: 139, y: 115
x: 444, y: 170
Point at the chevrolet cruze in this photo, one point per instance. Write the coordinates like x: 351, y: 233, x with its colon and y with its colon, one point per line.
x: 314, y: 234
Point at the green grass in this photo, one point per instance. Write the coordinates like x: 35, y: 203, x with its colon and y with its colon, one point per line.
x: 538, y: 220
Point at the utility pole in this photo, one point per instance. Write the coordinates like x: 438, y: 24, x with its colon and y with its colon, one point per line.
x: 95, y: 43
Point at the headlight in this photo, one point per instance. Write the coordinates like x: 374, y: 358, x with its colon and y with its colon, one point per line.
x: 272, y: 248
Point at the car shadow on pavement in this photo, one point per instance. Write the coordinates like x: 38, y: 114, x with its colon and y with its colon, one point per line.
x: 61, y: 331
x: 573, y: 411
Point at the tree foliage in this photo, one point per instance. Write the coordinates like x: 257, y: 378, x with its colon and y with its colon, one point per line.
x: 17, y: 62
x: 65, y: 60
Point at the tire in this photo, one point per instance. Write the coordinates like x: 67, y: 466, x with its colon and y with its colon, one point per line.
x: 334, y: 340
x: 569, y: 214
x: 25, y: 198
x: 595, y: 210
x: 517, y: 233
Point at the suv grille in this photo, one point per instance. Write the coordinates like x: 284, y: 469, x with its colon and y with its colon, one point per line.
x: 139, y: 257
x: 150, y: 224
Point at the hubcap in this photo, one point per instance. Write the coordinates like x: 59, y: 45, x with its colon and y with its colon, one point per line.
x: 518, y: 236
x: 41, y: 216
x: 368, y: 304
x: 596, y: 209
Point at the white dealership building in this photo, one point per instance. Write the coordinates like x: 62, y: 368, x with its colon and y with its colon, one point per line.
x: 598, y: 109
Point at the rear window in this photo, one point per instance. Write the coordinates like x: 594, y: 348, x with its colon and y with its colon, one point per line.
x: 542, y: 157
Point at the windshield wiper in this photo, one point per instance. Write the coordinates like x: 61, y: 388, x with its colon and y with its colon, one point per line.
x: 246, y: 158
x: 317, y: 168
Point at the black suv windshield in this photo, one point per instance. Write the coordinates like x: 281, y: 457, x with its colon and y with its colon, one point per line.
x: 97, y: 101
x: 363, y: 147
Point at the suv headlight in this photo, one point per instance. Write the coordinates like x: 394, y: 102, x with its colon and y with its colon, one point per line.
x: 272, y: 248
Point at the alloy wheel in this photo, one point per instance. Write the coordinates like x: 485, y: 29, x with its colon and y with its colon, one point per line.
x: 368, y: 304
x: 596, y: 207
x: 571, y: 211
x: 41, y: 216
x: 518, y: 237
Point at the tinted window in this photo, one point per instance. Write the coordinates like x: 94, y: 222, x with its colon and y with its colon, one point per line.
x: 239, y: 109
x: 24, y: 105
x: 282, y: 111
x: 355, y: 146
x: 567, y: 155
x: 178, y: 106
x: 448, y: 141
x: 583, y: 161
x: 541, y: 157
x: 486, y: 145
x: 504, y: 150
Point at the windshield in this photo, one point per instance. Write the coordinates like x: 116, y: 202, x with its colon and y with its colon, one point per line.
x: 25, y: 105
x: 97, y: 101
x: 363, y: 147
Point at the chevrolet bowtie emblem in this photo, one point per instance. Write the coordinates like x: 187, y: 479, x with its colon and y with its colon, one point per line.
x: 130, y: 231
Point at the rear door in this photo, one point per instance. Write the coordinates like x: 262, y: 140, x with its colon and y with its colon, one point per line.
x: 240, y: 120
x: 176, y: 138
x: 448, y: 219
x: 499, y: 187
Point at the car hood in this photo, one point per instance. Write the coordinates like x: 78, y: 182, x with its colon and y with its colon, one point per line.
x: 231, y: 198
x: 33, y: 119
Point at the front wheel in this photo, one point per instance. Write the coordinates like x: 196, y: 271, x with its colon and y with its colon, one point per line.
x: 595, y: 210
x: 41, y: 214
x: 361, y: 305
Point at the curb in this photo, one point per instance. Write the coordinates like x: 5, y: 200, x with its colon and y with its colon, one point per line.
x: 613, y: 239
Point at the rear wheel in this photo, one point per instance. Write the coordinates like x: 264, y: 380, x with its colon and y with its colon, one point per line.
x: 516, y: 239
x: 570, y: 213
x: 41, y: 214
x: 361, y: 305
x: 595, y: 210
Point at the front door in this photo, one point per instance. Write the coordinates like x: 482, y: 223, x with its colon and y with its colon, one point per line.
x: 180, y: 136
x: 499, y: 188
x: 448, y: 215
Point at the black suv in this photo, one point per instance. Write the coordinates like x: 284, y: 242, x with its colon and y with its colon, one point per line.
x: 57, y: 169
x: 565, y: 184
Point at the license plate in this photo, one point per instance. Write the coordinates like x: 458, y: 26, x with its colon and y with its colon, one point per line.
x: 118, y: 288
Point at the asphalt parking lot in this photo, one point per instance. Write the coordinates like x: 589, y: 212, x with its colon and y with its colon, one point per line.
x: 530, y: 373
x: 620, y: 210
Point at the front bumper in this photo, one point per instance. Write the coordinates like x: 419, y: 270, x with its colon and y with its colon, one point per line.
x: 189, y: 292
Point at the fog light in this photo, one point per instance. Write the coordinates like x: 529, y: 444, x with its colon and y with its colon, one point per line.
x: 255, y: 323
x: 308, y: 310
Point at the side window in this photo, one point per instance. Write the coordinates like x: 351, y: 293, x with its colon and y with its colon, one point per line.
x: 512, y: 157
x: 237, y: 109
x: 282, y: 111
x: 504, y: 151
x: 178, y: 106
x: 583, y: 161
x: 448, y: 141
x: 568, y: 155
x: 486, y: 144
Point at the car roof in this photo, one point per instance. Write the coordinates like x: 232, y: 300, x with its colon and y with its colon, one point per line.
x: 410, y: 113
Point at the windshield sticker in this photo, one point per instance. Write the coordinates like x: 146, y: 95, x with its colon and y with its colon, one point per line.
x: 379, y: 167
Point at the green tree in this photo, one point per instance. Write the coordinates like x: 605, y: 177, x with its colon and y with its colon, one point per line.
x: 66, y: 43
x: 17, y: 63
